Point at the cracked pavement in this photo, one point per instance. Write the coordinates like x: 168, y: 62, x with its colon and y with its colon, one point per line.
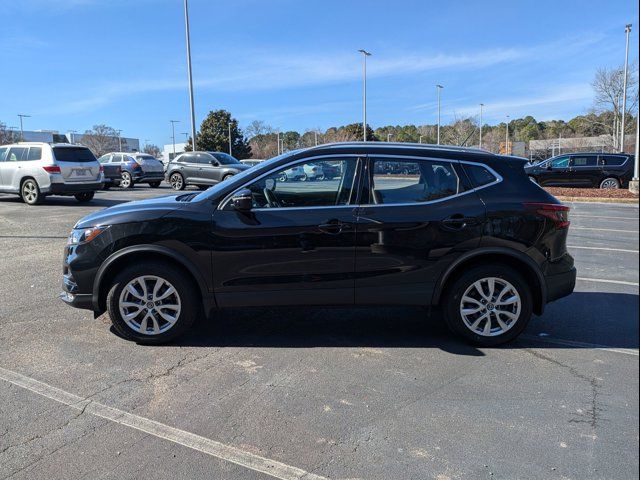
x: 362, y: 393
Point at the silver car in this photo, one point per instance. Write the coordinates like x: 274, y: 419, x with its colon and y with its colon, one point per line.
x: 35, y: 170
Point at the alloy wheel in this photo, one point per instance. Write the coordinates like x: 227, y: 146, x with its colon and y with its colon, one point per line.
x: 30, y: 192
x: 176, y: 181
x: 490, y: 307
x: 149, y: 305
x: 126, y: 180
x: 610, y: 184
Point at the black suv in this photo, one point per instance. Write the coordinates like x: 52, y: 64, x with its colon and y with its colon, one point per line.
x: 463, y: 229
x: 594, y: 170
x: 202, y: 169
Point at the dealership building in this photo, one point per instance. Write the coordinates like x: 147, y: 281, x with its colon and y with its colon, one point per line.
x: 125, y: 144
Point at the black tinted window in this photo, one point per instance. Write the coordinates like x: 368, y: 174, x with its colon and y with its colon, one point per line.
x: 73, y: 154
x: 35, y: 153
x: 17, y: 154
x: 225, y: 159
x: 479, y: 175
x: 395, y: 181
x: 614, y: 160
x: 587, y: 161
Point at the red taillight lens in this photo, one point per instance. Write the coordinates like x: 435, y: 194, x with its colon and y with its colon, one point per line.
x: 559, y: 214
x: 52, y: 169
x: 135, y: 165
x: 101, y: 169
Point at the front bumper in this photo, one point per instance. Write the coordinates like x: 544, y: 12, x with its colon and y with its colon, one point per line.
x: 561, y: 284
x: 77, y: 300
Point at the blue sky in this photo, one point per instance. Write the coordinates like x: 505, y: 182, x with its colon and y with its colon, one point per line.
x: 294, y: 64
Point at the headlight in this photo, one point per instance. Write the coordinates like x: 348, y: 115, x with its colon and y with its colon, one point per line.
x: 84, y: 235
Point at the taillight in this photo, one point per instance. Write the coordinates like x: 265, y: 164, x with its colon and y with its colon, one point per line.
x: 559, y: 214
x: 135, y: 165
x: 52, y: 169
x: 101, y: 169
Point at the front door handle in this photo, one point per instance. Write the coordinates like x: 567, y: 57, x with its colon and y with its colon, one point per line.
x: 333, y: 228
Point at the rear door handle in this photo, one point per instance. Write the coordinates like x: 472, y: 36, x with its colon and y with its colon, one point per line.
x: 458, y: 221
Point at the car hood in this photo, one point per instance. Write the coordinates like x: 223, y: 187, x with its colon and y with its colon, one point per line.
x: 138, y: 211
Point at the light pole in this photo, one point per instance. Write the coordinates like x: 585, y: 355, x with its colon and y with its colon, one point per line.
x: 506, y: 145
x: 481, y: 107
x: 173, y: 136
x: 316, y: 137
x: 22, y: 115
x: 420, y: 139
x: 230, y: 152
x: 365, y: 54
x: 119, y: 140
x: 186, y: 136
x: 278, y: 140
x: 389, y: 135
x: 193, y: 115
x: 627, y: 30
x: 438, y: 88
x: 633, y: 184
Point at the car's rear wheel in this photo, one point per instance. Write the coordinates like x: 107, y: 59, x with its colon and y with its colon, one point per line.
x: 176, y: 180
x: 30, y: 192
x: 488, y: 305
x: 227, y: 177
x: 84, y: 196
x: 610, y: 183
x: 152, y: 303
x: 127, y: 181
x: 154, y: 184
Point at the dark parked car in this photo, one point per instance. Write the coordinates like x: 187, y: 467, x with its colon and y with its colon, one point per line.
x: 467, y: 231
x: 112, y: 172
x: 136, y: 168
x: 202, y: 169
x: 595, y: 170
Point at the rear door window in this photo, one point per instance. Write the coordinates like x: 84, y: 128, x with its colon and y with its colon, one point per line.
x: 35, y: 153
x: 412, y: 181
x: 17, y: 154
x: 584, y: 161
x: 73, y: 154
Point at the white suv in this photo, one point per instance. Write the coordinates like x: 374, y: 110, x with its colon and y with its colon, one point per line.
x: 34, y: 170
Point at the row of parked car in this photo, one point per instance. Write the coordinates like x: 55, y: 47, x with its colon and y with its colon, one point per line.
x: 35, y: 170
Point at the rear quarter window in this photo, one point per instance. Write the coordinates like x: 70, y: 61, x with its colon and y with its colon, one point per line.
x: 614, y: 160
x: 35, y: 153
x: 479, y: 175
x: 73, y: 154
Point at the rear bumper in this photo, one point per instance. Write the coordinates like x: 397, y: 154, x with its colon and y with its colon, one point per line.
x: 71, y: 188
x: 112, y: 181
x: 561, y: 284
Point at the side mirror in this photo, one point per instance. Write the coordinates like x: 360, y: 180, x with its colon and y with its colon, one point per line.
x: 549, y: 166
x: 242, y: 200
x: 215, y: 163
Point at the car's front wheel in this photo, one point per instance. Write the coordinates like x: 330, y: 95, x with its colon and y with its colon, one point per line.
x: 152, y: 303
x: 488, y: 305
x: 176, y: 180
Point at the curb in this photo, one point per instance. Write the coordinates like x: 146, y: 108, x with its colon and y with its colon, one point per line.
x: 598, y: 200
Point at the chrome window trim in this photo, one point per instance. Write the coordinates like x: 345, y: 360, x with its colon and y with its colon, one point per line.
x: 497, y: 176
x: 223, y: 204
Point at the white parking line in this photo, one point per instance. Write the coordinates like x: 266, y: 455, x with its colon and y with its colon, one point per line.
x: 604, y: 229
x: 190, y: 440
x: 571, y: 343
x: 604, y: 280
x: 607, y: 249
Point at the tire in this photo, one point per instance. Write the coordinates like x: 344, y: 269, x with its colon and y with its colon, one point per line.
x: 30, y: 192
x: 84, y: 196
x: 610, y: 183
x: 304, y: 178
x: 176, y: 180
x: 283, y: 177
x: 127, y: 180
x: 184, y: 297
x: 512, y: 286
x: 227, y: 177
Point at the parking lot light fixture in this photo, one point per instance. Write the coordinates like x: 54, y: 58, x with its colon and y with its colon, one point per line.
x: 189, y: 73
x: 173, y: 135
x: 627, y: 30
x: 365, y: 54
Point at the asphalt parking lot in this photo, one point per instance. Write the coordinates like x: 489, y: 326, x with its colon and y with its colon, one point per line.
x: 380, y: 393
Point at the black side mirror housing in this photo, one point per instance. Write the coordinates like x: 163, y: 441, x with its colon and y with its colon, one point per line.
x: 215, y: 163
x: 242, y: 200
x: 549, y: 167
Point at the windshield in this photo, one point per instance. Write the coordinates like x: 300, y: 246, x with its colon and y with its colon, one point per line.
x: 225, y: 158
x: 264, y: 166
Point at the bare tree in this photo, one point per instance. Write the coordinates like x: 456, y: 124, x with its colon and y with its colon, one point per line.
x: 152, y: 149
x: 7, y: 136
x: 608, y: 86
x: 101, y: 139
x: 461, y: 131
x: 258, y: 127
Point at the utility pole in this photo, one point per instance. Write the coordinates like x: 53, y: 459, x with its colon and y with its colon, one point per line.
x: 173, y: 135
x: 22, y: 115
x: 119, y: 140
x: 365, y: 54
x: 438, y: 88
x: 189, y: 73
x: 278, y: 140
x: 627, y: 30
x: 481, y: 107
